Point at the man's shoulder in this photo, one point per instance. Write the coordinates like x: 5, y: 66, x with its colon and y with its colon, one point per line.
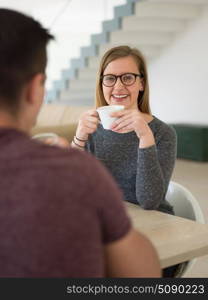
x: 67, y: 169
x: 20, y: 150
x: 60, y: 156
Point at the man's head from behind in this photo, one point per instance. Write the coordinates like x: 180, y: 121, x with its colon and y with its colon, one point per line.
x: 23, y: 60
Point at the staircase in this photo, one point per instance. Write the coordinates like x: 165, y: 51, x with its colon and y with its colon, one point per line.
x: 149, y: 25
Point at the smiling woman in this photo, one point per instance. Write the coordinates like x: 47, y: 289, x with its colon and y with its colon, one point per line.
x: 139, y: 150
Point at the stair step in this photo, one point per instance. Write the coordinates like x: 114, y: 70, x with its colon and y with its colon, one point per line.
x: 149, y: 51
x: 67, y: 95
x: 93, y: 62
x: 87, y: 73
x: 132, y: 23
x: 81, y: 84
x: 141, y: 37
x: 194, y: 2
x: 178, y: 10
x: 89, y: 102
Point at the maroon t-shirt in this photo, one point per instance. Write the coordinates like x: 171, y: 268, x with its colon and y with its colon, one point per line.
x: 58, y: 208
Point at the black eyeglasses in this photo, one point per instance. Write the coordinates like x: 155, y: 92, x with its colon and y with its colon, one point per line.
x: 109, y: 80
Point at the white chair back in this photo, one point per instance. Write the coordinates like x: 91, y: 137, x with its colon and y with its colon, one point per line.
x: 185, y: 205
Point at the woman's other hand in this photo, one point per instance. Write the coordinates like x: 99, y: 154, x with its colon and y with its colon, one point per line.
x: 134, y: 120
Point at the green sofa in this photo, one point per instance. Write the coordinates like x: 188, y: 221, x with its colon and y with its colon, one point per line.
x: 192, y: 141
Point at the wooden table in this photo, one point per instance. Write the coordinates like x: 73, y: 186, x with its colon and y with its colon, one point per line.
x: 176, y: 239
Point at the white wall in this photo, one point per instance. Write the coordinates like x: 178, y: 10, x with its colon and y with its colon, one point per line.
x: 179, y: 77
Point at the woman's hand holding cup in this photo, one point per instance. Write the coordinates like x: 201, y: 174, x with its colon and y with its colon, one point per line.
x: 88, y: 124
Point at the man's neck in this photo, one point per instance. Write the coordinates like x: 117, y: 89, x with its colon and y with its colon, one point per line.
x: 7, y: 120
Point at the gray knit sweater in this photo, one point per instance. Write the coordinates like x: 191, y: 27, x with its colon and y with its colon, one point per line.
x: 142, y: 174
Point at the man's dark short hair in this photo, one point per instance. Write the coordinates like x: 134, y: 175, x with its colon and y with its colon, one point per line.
x: 23, y: 44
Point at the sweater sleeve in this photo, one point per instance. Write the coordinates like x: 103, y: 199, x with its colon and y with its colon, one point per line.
x: 154, y: 169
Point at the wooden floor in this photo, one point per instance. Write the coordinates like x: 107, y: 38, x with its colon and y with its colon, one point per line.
x: 194, y: 176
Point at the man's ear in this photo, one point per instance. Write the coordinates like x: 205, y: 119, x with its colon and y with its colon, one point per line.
x: 35, y: 88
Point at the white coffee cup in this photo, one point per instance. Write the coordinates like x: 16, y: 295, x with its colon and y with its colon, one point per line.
x: 104, y: 114
x: 45, y: 136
